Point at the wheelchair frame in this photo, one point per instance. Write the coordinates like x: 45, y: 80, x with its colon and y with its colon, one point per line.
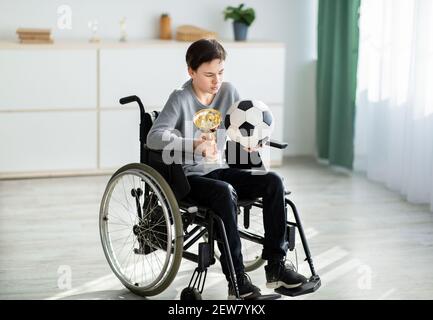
x: 204, y: 220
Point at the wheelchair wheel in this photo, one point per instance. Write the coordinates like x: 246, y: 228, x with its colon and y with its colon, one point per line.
x: 141, y: 229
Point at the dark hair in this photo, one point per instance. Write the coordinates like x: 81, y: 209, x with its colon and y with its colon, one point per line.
x: 204, y: 50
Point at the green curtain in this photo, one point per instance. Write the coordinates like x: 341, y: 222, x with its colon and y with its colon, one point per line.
x: 337, y: 61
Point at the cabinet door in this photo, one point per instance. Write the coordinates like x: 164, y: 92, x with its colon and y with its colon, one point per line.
x: 151, y: 73
x: 257, y: 73
x: 46, y: 79
x: 119, y: 138
x: 47, y: 141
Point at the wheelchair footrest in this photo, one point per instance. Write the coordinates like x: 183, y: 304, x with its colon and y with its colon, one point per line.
x: 272, y: 296
x: 309, y: 287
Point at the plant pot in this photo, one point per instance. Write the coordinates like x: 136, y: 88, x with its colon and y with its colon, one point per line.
x: 240, y: 29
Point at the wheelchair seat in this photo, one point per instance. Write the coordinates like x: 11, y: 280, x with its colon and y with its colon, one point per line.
x: 187, y: 202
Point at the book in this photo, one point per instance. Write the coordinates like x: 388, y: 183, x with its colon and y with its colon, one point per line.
x: 35, y: 41
x: 34, y: 37
x: 33, y: 31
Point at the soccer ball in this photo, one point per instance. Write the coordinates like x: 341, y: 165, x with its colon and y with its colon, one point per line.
x: 249, y: 122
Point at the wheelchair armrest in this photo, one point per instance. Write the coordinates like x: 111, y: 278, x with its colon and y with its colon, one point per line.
x: 172, y: 173
x: 238, y: 158
x: 277, y: 144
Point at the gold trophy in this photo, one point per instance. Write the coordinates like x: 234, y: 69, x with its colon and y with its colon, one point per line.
x: 208, y: 120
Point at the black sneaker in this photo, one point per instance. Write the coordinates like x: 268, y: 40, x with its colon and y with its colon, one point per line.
x: 279, y: 275
x: 246, y: 289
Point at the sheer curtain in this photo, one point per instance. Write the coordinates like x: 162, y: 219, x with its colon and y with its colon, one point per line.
x: 394, y: 107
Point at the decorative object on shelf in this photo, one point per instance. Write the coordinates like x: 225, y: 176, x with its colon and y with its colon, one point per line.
x: 123, y: 34
x: 93, y: 25
x: 32, y: 35
x: 192, y: 33
x: 165, y: 27
x: 242, y: 19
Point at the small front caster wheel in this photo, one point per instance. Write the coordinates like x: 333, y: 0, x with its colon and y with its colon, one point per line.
x: 190, y: 294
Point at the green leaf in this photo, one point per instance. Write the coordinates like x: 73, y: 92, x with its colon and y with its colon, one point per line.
x: 239, y: 14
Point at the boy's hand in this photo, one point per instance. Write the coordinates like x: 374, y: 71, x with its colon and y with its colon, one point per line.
x: 207, y: 136
x: 254, y: 149
x: 206, y: 146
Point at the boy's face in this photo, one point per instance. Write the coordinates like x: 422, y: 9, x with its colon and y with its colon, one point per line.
x: 208, y: 76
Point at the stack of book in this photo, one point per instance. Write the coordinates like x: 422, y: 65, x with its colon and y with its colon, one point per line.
x: 27, y: 35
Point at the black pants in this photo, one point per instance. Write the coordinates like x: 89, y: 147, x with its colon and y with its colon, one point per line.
x: 220, y: 189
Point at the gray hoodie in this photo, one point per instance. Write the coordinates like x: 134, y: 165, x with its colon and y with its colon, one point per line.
x: 174, y: 127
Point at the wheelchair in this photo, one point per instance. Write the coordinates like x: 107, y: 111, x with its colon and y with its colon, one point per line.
x: 147, y: 223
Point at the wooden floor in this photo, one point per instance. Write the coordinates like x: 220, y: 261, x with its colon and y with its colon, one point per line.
x: 366, y: 241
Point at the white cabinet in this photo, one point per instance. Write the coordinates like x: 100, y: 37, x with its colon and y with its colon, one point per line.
x: 47, y: 141
x: 59, y: 104
x: 272, y: 155
x: 257, y: 73
x: 48, y: 116
x: 119, y: 132
x: 46, y: 79
x: 150, y: 73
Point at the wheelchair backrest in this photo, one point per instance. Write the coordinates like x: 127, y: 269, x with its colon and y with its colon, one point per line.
x: 173, y: 174
x: 149, y: 119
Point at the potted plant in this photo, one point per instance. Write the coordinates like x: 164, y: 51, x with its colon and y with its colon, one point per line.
x: 242, y: 19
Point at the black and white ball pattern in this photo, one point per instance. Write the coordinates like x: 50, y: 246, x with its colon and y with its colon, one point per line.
x: 249, y: 122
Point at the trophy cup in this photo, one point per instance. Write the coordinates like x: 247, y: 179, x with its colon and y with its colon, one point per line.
x: 208, y: 120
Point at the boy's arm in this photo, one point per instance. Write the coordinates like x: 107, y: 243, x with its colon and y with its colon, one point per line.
x: 161, y: 134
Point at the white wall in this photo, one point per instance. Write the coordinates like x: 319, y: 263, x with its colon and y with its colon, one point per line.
x: 290, y: 21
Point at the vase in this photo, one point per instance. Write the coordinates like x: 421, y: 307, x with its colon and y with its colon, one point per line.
x: 240, y: 29
x: 165, y: 27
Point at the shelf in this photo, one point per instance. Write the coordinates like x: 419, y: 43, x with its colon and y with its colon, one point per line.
x: 108, y: 44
